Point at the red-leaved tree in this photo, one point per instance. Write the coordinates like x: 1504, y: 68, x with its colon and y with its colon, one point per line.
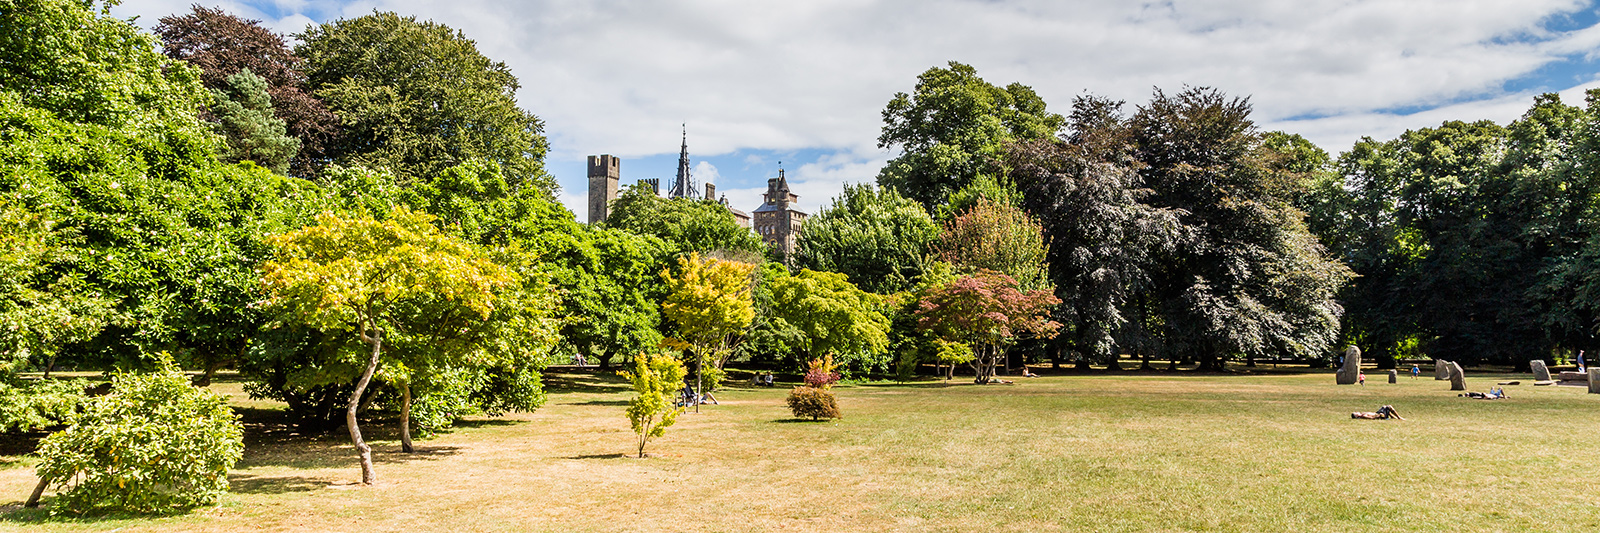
x: 989, y: 312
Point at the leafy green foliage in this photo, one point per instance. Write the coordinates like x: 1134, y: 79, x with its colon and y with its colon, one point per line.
x: 243, y: 112
x: 382, y: 278
x: 953, y: 128
x: 31, y: 405
x: 876, y: 237
x: 655, y: 379
x: 709, y: 302
x: 998, y: 237
x: 685, y: 225
x: 155, y: 444
x: 835, y: 317
x: 103, y: 141
x: 812, y: 402
x: 221, y: 45
x: 418, y: 98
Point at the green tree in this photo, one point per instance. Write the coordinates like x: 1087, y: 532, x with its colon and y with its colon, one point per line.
x: 834, y: 317
x: 221, y: 45
x: 655, y: 380
x: 685, y: 225
x: 243, y: 111
x: 953, y: 128
x: 155, y: 444
x: 418, y: 98
x: 997, y: 237
x: 356, y: 274
x: 103, y: 139
x: 876, y: 237
x: 709, y: 302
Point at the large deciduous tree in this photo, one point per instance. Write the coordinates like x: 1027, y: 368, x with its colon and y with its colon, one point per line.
x: 875, y: 236
x: 418, y: 98
x: 222, y: 45
x: 1089, y: 200
x: 359, y: 274
x: 1248, y: 279
x: 954, y: 127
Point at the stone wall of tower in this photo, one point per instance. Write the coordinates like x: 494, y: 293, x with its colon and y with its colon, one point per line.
x: 604, y: 174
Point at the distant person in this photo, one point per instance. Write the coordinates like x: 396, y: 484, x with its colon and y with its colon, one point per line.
x: 1361, y: 378
x: 767, y: 378
x: 1414, y: 371
x: 1027, y: 374
x: 1383, y: 413
x: 1580, y: 361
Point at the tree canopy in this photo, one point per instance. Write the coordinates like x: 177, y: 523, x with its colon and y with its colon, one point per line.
x: 874, y: 236
x: 417, y: 97
x: 954, y: 127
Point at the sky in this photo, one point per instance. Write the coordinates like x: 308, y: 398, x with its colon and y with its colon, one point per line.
x: 756, y: 83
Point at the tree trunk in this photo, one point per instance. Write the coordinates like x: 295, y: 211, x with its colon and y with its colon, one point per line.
x: 368, y: 476
x: 405, y: 419
x: 49, y: 364
x: 699, y: 366
x: 38, y: 492
x: 1144, y: 362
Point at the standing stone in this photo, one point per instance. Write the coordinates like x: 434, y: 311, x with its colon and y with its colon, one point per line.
x: 1394, y: 376
x: 1594, y: 381
x: 1352, y: 367
x: 1540, y: 372
x: 1458, y: 379
x: 1441, y: 370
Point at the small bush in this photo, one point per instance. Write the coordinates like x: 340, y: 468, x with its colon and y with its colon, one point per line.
x: 821, y: 374
x: 155, y: 444
x: 813, y: 402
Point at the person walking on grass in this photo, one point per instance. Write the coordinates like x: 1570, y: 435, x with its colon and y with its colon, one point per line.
x: 1361, y: 377
x: 1414, y: 371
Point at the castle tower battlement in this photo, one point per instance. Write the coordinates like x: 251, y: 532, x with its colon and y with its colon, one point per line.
x: 604, y: 174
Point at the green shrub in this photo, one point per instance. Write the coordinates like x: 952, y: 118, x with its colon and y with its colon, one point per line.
x: 155, y: 444
x: 813, y: 402
x: 655, y: 378
x: 31, y: 406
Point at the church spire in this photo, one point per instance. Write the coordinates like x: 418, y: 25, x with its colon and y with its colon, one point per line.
x: 684, y: 186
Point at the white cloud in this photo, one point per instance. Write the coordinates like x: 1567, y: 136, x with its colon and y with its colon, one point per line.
x: 617, y: 76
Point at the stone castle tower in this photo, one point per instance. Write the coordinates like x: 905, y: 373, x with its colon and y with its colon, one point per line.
x: 776, y: 221
x: 604, y: 173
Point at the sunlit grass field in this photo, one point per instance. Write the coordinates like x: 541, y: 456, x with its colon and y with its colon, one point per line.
x: 1113, y: 452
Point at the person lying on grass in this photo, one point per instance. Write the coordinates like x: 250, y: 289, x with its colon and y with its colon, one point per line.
x: 1493, y: 394
x: 1383, y: 413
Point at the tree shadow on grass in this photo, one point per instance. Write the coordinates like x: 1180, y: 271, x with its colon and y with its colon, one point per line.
x: 597, y: 456
x: 248, y: 484
x: 801, y: 421
x: 613, y: 403
x: 14, y: 512
x: 584, y: 383
x: 917, y: 385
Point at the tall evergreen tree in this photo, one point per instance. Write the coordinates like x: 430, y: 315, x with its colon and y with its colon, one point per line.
x: 244, y: 117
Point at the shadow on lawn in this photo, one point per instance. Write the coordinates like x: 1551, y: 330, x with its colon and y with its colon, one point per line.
x: 248, y: 484
x: 613, y: 403
x: 597, y: 456
x: 584, y: 383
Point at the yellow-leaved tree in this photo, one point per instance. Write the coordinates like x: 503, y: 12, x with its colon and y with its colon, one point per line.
x: 710, y: 301
x: 355, y: 273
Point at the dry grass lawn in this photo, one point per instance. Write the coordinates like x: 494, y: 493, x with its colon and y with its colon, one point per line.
x: 1134, y: 452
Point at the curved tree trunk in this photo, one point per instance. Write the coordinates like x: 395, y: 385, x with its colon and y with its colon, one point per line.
x: 38, y: 492
x: 405, y: 419
x: 368, y: 476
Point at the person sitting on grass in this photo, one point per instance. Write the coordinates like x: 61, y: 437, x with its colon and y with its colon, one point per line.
x: 768, y: 379
x: 1027, y: 374
x: 1383, y: 413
